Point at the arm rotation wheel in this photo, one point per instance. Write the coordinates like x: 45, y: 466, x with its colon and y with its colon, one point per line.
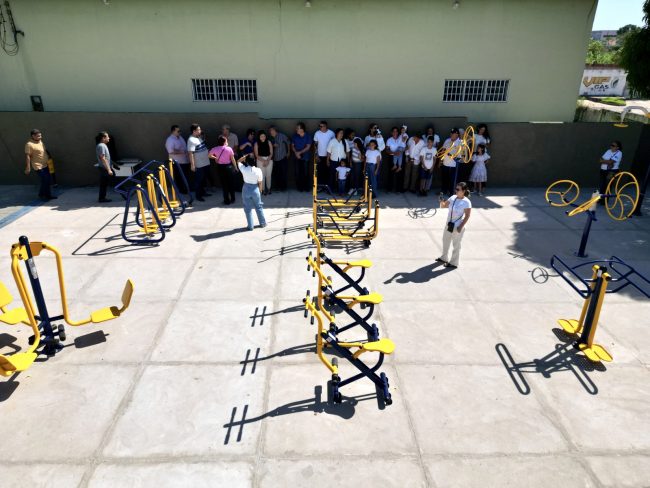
x: 622, y: 195
x: 561, y: 193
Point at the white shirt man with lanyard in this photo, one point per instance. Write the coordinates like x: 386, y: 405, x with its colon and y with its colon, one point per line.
x: 449, y: 163
x: 609, y: 165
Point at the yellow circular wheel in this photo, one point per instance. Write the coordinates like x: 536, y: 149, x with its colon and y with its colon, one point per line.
x: 621, y: 196
x: 562, y: 193
x: 469, y: 139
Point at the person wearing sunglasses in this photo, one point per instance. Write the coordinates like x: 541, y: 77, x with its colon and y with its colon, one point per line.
x: 609, y: 165
x: 460, y: 208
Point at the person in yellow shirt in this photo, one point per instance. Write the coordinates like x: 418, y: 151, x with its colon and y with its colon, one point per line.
x: 36, y: 158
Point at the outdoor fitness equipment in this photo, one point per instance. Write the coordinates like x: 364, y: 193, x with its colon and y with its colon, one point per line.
x: 621, y: 198
x: 362, y: 264
x: 158, y: 201
x: 45, y: 332
x: 613, y: 273
x: 18, y: 361
x: 327, y: 299
x: 329, y: 338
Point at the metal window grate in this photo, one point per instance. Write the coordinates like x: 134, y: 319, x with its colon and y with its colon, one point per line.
x: 224, y: 90
x: 476, y: 91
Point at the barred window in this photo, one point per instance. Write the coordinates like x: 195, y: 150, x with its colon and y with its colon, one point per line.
x: 224, y: 90
x: 476, y: 91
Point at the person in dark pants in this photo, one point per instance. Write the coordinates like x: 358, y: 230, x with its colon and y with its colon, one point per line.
x: 177, y: 150
x: 197, y: 153
x: 36, y: 157
x: 610, y: 163
x: 300, y: 147
x: 281, y: 150
x: 104, y: 164
x: 224, y: 156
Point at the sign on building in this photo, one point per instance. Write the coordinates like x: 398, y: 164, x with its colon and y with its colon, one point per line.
x: 603, y: 82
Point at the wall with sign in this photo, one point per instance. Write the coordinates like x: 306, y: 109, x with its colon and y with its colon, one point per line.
x: 603, y: 82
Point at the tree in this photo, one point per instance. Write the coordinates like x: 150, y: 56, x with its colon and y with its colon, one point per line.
x: 597, y: 54
x: 634, y: 55
x: 626, y: 29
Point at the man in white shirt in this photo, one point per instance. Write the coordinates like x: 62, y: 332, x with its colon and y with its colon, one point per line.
x: 197, y: 153
x: 412, y: 165
x: 610, y: 162
x: 322, y: 137
x: 177, y: 150
x: 450, y: 161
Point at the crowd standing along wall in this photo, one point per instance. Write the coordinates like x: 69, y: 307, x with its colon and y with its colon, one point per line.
x: 338, y: 58
x: 523, y: 154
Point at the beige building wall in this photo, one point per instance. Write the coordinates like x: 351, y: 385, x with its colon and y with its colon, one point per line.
x: 339, y: 58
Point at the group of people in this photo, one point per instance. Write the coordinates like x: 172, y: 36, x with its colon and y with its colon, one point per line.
x: 341, y: 158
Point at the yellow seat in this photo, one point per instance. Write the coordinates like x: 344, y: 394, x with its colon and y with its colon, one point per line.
x: 570, y: 326
x: 5, y: 296
x: 15, y: 316
x: 372, y: 298
x: 16, y: 362
x: 385, y: 346
x: 596, y: 353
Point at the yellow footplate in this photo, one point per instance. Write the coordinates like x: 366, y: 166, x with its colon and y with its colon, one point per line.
x: 15, y: 316
x: 385, y: 346
x: 104, y: 314
x: 373, y: 298
x: 596, y: 353
x: 570, y: 326
x: 16, y: 362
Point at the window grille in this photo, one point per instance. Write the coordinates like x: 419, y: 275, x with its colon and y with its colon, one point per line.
x: 224, y: 90
x: 476, y: 91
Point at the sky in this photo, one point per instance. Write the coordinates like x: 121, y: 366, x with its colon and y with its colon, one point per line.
x: 613, y: 14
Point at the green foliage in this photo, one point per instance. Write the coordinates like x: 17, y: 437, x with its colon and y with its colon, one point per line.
x: 634, y: 55
x: 598, y: 54
x: 629, y: 28
x: 618, y: 101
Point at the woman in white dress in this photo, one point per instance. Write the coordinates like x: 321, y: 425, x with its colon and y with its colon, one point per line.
x: 479, y: 171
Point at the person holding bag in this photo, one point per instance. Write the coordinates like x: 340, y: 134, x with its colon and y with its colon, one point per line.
x: 224, y: 156
x: 251, y: 190
x: 460, y: 209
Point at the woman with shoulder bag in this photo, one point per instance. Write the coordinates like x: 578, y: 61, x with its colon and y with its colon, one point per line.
x: 460, y: 209
x: 251, y: 190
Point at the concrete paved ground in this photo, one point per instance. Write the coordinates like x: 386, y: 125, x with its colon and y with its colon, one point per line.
x: 210, y: 379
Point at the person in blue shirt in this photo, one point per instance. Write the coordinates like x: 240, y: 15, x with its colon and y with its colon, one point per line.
x: 301, y: 143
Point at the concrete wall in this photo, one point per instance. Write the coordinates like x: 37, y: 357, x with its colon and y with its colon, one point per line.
x: 523, y: 154
x: 339, y: 58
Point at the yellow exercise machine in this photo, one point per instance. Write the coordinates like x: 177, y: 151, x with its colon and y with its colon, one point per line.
x: 620, y: 197
x: 613, y: 273
x: 351, y: 351
x: 44, y: 331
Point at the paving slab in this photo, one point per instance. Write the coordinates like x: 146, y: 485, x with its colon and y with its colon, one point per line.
x: 324, y: 473
x: 510, y: 472
x: 621, y: 471
x: 51, y: 475
x: 170, y: 475
x: 181, y: 410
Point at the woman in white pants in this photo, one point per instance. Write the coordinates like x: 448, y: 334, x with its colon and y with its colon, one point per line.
x: 460, y: 209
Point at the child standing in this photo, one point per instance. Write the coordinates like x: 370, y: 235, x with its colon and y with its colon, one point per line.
x: 479, y: 171
x: 342, y: 174
x: 427, y: 158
